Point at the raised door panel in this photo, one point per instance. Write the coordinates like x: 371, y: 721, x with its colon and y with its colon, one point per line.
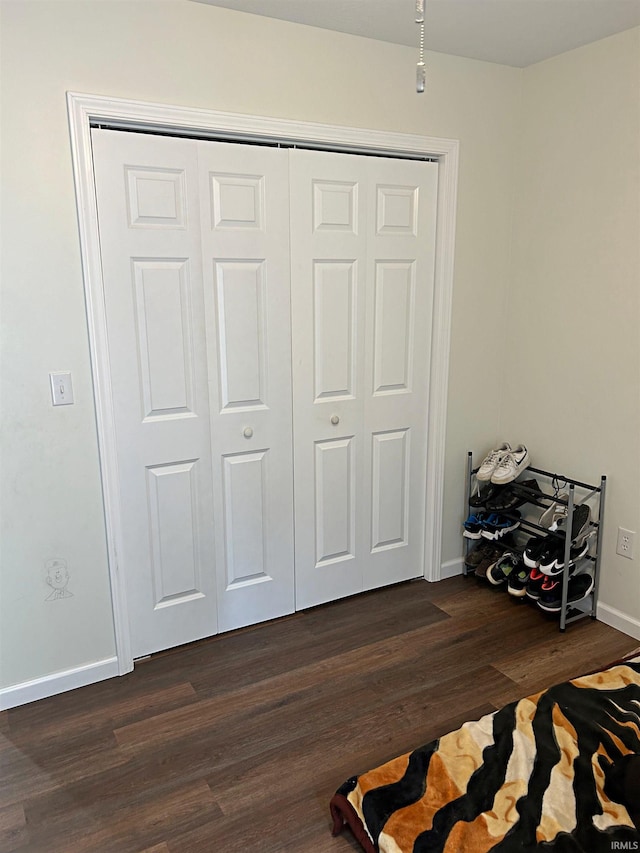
x: 241, y: 332
x: 245, y: 517
x: 334, y: 510
x: 156, y: 197
x: 237, y: 201
x: 390, y: 489
x: 164, y: 336
x: 393, y: 339
x: 334, y: 333
x: 176, y: 558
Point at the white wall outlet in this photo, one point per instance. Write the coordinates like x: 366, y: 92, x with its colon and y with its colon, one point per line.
x: 626, y: 541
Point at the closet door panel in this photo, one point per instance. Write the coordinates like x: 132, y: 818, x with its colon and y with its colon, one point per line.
x: 147, y: 193
x: 244, y: 208
x: 328, y: 222
x: 362, y: 244
x: 400, y: 273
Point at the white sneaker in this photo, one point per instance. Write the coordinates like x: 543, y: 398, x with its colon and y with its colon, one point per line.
x: 552, y: 514
x: 511, y: 465
x: 491, y: 462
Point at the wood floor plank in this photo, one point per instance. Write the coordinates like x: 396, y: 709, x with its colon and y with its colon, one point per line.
x: 121, y: 712
x: 330, y: 754
x: 238, y: 742
x: 14, y: 834
x: 28, y: 773
x: 587, y: 645
x: 4, y: 722
x: 130, y: 828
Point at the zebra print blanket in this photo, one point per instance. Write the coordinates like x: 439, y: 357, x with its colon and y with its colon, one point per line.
x: 533, y: 775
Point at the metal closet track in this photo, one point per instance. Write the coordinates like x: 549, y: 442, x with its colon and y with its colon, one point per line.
x: 264, y: 141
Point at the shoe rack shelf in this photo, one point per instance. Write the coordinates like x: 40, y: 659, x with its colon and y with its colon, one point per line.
x: 578, y: 493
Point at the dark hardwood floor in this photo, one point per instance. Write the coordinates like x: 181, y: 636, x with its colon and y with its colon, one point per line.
x: 238, y: 742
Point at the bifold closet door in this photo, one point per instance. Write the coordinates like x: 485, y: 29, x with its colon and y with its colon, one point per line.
x: 362, y: 245
x: 245, y: 239
x: 194, y: 242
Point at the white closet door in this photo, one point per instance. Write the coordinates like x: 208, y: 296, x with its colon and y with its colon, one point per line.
x: 147, y: 189
x: 195, y: 252
x: 328, y: 269
x: 245, y: 234
x: 362, y: 247
x: 401, y: 231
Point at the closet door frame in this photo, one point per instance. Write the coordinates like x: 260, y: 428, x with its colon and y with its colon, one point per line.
x: 86, y: 111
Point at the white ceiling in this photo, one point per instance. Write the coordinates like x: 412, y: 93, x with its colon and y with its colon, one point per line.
x: 511, y: 32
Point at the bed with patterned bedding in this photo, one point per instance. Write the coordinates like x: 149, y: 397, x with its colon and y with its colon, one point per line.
x: 536, y: 774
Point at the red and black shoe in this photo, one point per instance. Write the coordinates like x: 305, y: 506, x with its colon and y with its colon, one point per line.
x: 534, y: 584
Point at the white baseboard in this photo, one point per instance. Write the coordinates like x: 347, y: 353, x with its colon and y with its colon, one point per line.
x: 57, y: 682
x: 451, y: 568
x: 619, y: 620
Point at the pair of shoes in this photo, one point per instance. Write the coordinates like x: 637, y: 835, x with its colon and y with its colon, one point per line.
x: 510, y: 568
x: 540, y: 582
x: 503, y: 568
x: 503, y: 464
x: 493, y: 553
x: 551, y: 561
x: 511, y: 497
x: 546, y: 553
x: 504, y: 498
x: 485, y: 494
x: 491, y: 526
x: 579, y: 587
x: 484, y: 549
x: 477, y: 555
x: 549, y: 518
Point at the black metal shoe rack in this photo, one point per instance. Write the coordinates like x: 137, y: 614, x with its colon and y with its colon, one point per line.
x: 579, y: 493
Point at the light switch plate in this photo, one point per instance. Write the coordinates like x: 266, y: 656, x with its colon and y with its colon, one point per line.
x: 61, y: 388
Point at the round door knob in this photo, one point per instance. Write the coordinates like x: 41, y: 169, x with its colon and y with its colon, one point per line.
x: 247, y: 432
x: 335, y: 419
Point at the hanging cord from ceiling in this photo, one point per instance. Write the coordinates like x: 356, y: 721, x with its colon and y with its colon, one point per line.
x: 421, y: 72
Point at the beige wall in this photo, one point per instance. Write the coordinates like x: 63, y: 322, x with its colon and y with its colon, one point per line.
x: 185, y: 53
x: 571, y: 377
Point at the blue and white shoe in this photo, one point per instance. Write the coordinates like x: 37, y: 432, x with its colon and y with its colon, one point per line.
x: 473, y: 525
x: 497, y: 525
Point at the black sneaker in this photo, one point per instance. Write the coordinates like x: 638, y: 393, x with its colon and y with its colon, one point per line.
x: 549, y: 556
x: 485, y: 494
x: 534, y: 548
x: 579, y: 587
x: 534, y: 584
x: 551, y: 561
x: 576, y: 552
x: 517, y: 582
x: 511, y: 497
x: 500, y: 571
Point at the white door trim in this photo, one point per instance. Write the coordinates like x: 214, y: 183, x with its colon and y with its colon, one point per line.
x: 87, y: 110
